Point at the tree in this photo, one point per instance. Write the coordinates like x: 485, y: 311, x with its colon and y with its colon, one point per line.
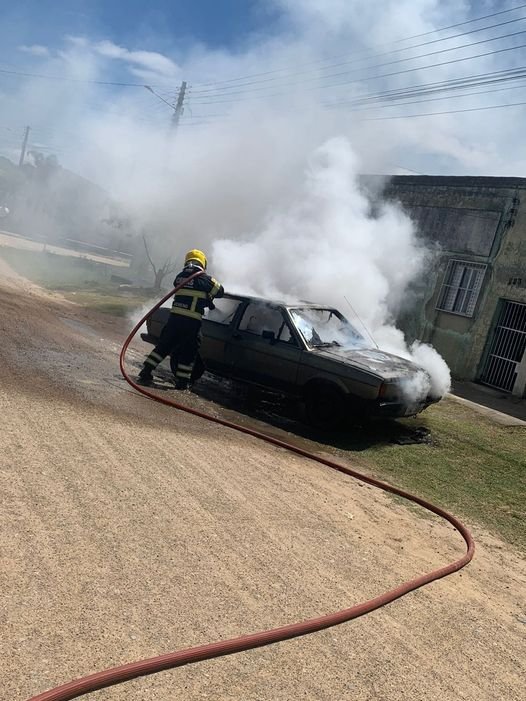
x: 160, y: 272
x: 44, y: 165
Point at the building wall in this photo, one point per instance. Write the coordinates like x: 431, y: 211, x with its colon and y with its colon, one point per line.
x: 482, y: 220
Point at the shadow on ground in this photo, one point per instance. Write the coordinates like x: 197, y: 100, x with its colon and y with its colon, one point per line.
x: 282, y: 414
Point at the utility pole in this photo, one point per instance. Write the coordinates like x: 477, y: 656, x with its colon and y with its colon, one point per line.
x: 179, y: 109
x: 24, y: 146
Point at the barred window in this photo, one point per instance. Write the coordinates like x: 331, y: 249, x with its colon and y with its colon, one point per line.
x: 461, y: 287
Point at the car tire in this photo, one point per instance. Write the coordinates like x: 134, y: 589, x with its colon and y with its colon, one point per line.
x: 324, y: 407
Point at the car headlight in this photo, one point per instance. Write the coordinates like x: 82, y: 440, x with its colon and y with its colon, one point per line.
x: 389, y: 391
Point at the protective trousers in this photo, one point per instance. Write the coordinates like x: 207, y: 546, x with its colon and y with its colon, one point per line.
x: 180, y: 338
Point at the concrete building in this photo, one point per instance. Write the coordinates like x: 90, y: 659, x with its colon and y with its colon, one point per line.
x: 472, y: 307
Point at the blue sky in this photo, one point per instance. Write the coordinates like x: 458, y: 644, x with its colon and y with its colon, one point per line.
x: 159, y: 25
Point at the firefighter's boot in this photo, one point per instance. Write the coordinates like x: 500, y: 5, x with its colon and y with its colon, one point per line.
x: 145, y: 377
x: 182, y: 384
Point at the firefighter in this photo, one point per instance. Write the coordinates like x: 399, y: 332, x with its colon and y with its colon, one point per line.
x: 181, y: 336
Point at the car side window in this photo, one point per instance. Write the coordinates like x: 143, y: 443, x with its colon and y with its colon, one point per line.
x: 285, y: 335
x: 224, y: 311
x: 259, y: 318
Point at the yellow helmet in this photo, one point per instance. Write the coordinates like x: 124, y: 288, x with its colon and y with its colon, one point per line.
x: 195, y: 256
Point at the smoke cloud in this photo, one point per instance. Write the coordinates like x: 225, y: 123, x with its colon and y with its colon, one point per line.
x: 330, y: 246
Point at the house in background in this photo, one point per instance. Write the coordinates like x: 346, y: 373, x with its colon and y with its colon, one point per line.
x: 472, y: 307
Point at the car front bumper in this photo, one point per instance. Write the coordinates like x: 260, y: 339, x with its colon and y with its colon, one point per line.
x: 396, y: 409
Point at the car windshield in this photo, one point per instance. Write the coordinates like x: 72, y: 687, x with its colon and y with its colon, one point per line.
x: 326, y: 327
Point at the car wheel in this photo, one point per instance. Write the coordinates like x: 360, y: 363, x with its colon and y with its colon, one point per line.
x: 325, y: 407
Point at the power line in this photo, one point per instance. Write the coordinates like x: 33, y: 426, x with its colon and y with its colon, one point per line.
x: 369, y: 78
x: 25, y: 74
x: 434, y: 53
x: 480, y: 80
x: 398, y: 41
x: 209, y: 119
x: 468, y: 21
x: 222, y: 91
x: 429, y: 89
x: 435, y: 99
x: 431, y: 114
x: 450, y: 84
x: 150, y: 89
x: 381, y: 65
x: 206, y: 121
x: 434, y: 65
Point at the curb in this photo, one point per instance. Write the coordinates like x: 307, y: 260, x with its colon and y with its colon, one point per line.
x: 497, y: 416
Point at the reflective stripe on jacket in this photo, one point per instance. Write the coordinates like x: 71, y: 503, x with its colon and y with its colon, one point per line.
x: 195, y: 296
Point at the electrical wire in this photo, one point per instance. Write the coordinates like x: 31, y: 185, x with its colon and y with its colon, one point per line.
x: 442, y: 51
x: 396, y: 103
x: 204, y: 120
x: 393, y: 95
x: 414, y: 36
x: 367, y: 78
x: 150, y: 89
x: 319, y: 76
x: 26, y: 74
x: 388, y: 99
x: 431, y: 114
x: 472, y: 81
x: 210, y: 100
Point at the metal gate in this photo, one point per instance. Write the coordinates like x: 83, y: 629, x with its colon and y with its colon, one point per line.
x: 507, y: 347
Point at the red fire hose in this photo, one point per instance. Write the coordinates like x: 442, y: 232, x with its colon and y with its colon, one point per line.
x: 117, y: 675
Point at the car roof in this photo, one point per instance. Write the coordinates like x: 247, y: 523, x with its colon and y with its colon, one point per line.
x: 275, y: 302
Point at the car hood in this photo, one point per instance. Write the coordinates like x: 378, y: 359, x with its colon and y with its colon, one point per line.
x: 379, y: 362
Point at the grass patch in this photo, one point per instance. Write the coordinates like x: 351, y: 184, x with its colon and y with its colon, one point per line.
x: 474, y: 468
x: 107, y: 301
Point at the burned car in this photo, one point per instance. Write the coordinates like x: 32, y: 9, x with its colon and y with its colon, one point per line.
x: 306, y: 351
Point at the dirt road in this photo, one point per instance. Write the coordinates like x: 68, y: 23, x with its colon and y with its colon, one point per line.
x: 128, y: 530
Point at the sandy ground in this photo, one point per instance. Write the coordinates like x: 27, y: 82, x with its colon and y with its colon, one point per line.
x: 128, y: 530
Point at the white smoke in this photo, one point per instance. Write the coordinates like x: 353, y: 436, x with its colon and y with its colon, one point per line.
x: 426, y: 356
x: 329, y: 246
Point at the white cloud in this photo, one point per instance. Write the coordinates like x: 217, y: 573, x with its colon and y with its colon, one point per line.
x: 80, y: 42
x: 35, y: 50
x: 150, y: 60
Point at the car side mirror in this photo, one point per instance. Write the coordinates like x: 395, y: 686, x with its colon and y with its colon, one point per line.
x: 269, y: 336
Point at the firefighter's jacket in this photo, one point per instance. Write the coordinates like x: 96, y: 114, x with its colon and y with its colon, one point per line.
x: 196, y: 295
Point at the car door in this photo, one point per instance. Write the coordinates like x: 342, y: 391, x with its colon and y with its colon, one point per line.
x: 262, y: 348
x: 216, y: 333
